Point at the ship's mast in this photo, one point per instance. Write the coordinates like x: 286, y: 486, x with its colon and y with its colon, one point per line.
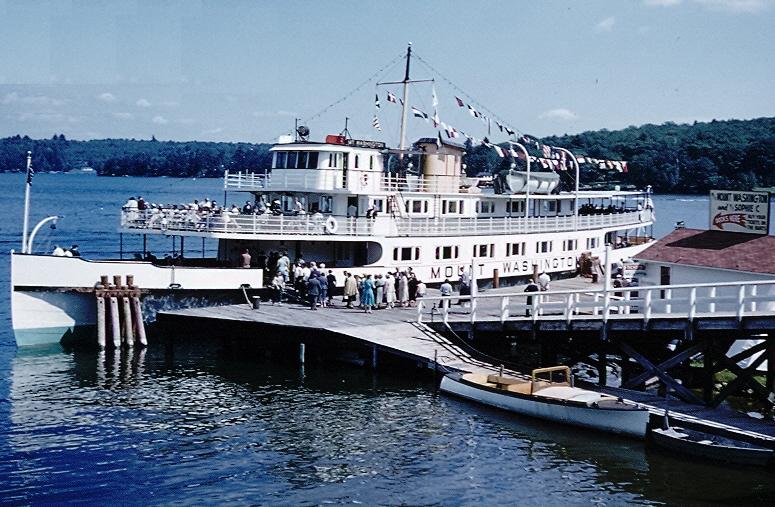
x: 402, y: 142
x: 405, y: 98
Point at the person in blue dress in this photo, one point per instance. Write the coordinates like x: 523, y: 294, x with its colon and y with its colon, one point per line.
x: 367, y: 296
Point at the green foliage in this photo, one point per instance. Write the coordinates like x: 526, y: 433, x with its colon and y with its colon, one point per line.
x: 692, y: 159
x: 735, y: 154
x: 129, y: 157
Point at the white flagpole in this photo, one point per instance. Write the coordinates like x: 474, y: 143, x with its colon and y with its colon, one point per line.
x: 27, y: 186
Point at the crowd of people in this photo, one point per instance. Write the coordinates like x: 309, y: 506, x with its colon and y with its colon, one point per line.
x: 59, y: 251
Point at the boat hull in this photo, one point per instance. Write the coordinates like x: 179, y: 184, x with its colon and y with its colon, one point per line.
x: 52, y: 299
x: 631, y: 423
x: 737, y: 453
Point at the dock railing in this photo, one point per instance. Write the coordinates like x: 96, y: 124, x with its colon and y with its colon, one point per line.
x: 689, y: 302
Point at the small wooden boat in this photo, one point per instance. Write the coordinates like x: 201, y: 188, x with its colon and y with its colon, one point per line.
x: 555, y: 401
x: 710, y: 446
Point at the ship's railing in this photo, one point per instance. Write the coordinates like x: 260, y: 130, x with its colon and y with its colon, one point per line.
x: 734, y: 300
x: 516, y: 225
x: 334, y: 179
x: 170, y: 220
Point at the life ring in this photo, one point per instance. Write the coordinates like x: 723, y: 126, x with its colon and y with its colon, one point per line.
x: 331, y: 225
x: 364, y: 180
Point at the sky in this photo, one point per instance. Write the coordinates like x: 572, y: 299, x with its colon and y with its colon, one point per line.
x: 239, y: 70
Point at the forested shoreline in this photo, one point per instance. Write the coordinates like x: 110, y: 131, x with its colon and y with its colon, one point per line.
x: 672, y: 158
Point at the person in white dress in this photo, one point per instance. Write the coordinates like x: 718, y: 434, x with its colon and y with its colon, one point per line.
x: 403, y: 289
x: 390, y: 290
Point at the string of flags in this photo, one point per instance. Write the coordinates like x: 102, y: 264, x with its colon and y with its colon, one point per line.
x: 551, y: 159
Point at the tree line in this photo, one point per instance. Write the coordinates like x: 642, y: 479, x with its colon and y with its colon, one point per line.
x: 672, y: 158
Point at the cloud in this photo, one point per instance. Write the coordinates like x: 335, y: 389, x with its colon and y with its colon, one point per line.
x: 106, y: 97
x: 142, y: 103
x: 41, y: 100
x: 558, y: 114
x: 736, y: 6
x: 216, y: 130
x: 123, y: 116
x: 160, y: 120
x: 662, y: 3
x: 733, y: 6
x: 605, y: 25
x: 265, y: 114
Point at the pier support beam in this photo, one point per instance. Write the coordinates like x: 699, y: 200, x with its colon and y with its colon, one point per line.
x: 374, y: 354
x: 115, y: 322
x: 302, y: 352
x: 101, y: 328
x: 602, y: 357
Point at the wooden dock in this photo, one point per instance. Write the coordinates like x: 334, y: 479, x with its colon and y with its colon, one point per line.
x: 396, y: 332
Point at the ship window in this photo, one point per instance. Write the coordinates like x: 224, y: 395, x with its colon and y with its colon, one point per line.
x: 592, y: 243
x: 313, y: 160
x: 550, y: 206
x: 447, y: 252
x: 515, y: 206
x: 332, y: 160
x: 303, y: 159
x: 281, y: 160
x: 570, y: 244
x: 356, y: 162
x: 326, y: 202
x: 417, y: 206
x: 543, y: 246
x: 452, y: 207
x: 406, y: 253
x: 485, y: 207
x: 293, y: 159
x: 515, y: 248
x: 379, y: 205
x: 371, y: 162
x: 487, y: 250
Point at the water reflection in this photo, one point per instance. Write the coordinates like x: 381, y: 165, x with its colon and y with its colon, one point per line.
x: 204, y: 423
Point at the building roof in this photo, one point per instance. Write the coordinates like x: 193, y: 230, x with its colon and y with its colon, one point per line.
x: 715, y: 249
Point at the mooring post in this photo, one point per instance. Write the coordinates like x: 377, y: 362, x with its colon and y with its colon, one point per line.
x: 129, y: 338
x: 101, y: 328
x: 301, y: 352
x: 115, y: 322
x: 139, y: 323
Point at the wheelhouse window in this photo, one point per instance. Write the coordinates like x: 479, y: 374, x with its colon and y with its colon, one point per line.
x: 485, y: 207
x: 543, y: 246
x: 406, y: 253
x: 447, y: 252
x: 487, y: 250
x: 298, y: 159
x: 515, y: 249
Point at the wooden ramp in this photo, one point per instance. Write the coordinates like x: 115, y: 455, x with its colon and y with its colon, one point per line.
x: 394, y: 331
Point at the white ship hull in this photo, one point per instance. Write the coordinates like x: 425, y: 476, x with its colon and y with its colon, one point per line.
x: 632, y: 423
x: 51, y: 300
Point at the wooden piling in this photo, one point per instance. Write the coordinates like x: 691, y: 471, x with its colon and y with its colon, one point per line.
x: 301, y: 352
x: 374, y: 356
x: 101, y: 323
x: 139, y: 323
x: 129, y: 338
x: 495, y: 278
x: 115, y: 322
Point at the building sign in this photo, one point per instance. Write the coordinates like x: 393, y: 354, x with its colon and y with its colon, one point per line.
x: 740, y: 211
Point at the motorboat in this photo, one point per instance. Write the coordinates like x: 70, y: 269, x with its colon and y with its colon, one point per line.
x: 557, y: 401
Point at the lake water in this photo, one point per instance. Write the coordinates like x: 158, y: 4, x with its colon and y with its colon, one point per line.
x: 202, y: 423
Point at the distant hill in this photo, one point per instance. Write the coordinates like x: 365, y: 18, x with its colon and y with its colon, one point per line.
x: 734, y: 154
x: 120, y: 157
